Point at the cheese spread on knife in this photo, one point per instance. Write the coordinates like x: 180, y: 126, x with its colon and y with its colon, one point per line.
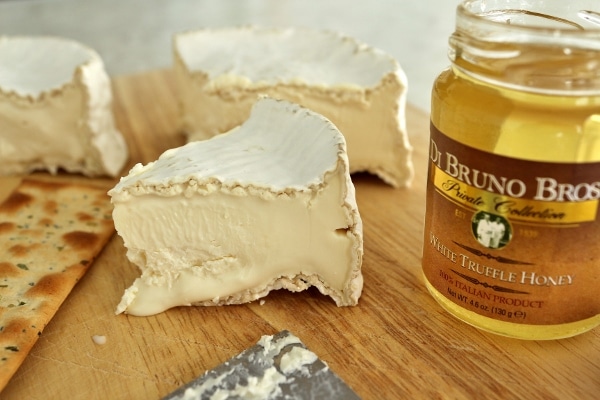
x: 362, y: 90
x: 268, y: 205
x: 55, y: 109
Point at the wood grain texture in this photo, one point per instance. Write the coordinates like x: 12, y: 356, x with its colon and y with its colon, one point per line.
x: 397, y: 343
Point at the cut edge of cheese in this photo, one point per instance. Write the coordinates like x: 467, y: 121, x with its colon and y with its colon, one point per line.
x: 269, y: 205
x: 61, y: 118
x: 221, y: 72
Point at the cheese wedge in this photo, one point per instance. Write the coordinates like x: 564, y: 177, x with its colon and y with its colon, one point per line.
x: 362, y: 90
x: 268, y: 205
x: 55, y: 109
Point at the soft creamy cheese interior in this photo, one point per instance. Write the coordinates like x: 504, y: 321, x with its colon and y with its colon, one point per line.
x: 266, y: 206
x: 220, y: 73
x: 55, y: 109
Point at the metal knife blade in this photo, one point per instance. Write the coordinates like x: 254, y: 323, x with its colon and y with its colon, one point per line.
x: 277, y: 367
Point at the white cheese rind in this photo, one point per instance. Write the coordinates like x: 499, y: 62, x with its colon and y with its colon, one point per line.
x: 266, y: 206
x: 56, y: 109
x: 360, y: 89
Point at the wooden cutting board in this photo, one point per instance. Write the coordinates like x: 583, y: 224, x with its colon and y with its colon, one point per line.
x: 397, y: 343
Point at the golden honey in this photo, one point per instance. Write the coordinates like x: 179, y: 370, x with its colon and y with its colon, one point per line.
x: 512, y: 228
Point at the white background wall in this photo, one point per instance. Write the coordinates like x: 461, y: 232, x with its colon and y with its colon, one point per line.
x: 135, y: 35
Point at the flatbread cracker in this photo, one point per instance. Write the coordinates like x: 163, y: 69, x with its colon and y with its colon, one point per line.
x: 49, y: 235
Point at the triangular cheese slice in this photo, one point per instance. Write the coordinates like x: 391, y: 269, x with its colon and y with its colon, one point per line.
x: 362, y: 90
x: 56, y: 109
x: 268, y: 205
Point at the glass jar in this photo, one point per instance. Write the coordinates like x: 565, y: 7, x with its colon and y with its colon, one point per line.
x: 512, y: 231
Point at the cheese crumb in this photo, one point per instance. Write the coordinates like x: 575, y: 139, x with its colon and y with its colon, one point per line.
x: 99, y: 339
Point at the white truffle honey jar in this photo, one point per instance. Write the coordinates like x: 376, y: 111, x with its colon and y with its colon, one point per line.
x: 512, y: 226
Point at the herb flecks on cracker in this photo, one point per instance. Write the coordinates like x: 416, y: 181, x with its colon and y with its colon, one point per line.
x: 50, y: 234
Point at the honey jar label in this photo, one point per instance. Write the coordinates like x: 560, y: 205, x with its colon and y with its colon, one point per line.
x: 511, y: 239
